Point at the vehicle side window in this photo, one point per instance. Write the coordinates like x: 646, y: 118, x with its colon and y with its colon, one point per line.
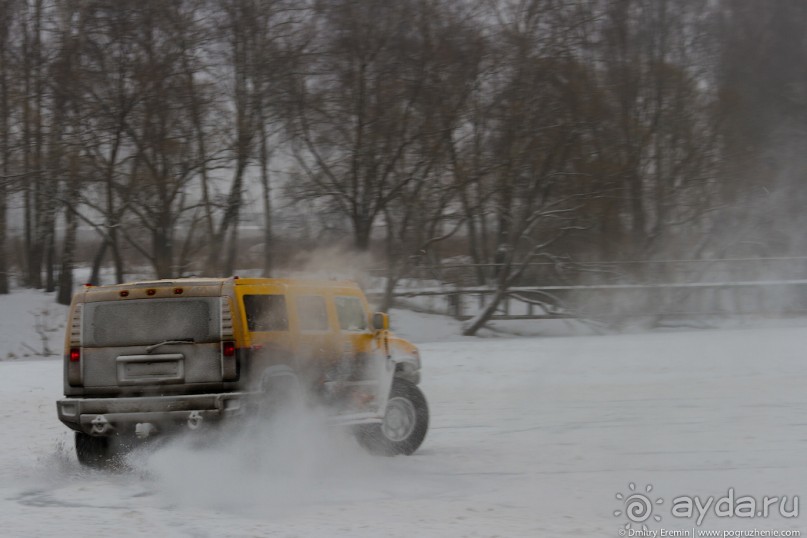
x: 266, y: 312
x: 311, y: 313
x: 351, y: 314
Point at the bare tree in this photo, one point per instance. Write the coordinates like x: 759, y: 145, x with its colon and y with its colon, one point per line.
x: 109, y: 88
x: 357, y: 113
x: 426, y: 210
x: 520, y: 129
x: 69, y: 107
x: 280, y: 40
x: 763, y: 95
x: 239, y: 31
x: 658, y: 132
x: 32, y: 140
x: 164, y: 159
x: 7, y: 17
x: 534, y: 189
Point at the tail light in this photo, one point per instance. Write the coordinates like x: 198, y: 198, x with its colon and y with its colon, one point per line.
x: 229, y: 361
x: 75, y: 339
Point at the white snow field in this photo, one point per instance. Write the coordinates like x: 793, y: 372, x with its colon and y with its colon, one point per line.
x: 529, y: 437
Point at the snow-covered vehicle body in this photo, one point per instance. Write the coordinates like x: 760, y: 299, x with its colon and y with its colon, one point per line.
x: 154, y: 357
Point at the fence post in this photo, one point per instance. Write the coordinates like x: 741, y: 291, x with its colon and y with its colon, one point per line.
x: 455, y: 303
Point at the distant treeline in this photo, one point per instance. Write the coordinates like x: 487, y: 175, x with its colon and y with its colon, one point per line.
x: 511, y: 130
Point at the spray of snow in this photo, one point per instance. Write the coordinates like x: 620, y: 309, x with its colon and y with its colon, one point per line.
x: 331, y: 262
x: 266, y: 467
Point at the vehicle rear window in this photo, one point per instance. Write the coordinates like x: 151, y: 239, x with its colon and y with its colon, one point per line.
x: 148, y: 321
x: 266, y: 312
x: 312, y: 313
x: 351, y: 314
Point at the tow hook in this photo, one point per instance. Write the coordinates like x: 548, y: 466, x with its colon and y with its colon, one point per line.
x: 101, y: 426
x: 144, y: 429
x: 195, y: 420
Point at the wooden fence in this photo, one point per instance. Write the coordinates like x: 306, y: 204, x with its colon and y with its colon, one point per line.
x: 765, y: 287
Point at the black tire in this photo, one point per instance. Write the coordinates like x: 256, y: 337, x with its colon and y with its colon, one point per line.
x: 108, y: 452
x: 281, y: 391
x: 93, y: 451
x: 405, y: 423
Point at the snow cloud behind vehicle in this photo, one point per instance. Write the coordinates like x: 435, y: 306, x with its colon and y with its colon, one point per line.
x: 266, y: 467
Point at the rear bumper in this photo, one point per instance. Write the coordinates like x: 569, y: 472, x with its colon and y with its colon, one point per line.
x: 107, y: 416
x: 104, y: 416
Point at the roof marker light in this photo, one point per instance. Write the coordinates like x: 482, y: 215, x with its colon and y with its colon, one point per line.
x: 124, y: 293
x: 151, y: 291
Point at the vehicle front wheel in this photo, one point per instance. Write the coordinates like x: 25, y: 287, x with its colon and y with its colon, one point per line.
x: 405, y: 422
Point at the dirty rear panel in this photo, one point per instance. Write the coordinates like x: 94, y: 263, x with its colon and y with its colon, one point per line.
x: 152, y: 345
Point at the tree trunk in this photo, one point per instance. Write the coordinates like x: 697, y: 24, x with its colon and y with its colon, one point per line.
x: 68, y: 254
x: 26, y: 149
x: 362, y: 228
x: 392, y: 273
x: 267, y: 231
x: 50, y: 261
x: 5, y: 155
x: 232, y: 251
x: 36, y: 253
x: 244, y: 133
x: 484, y: 316
x: 3, y: 260
x: 228, y: 221
x: 267, y: 200
x: 639, y: 220
x: 116, y: 255
x: 95, y: 275
x: 473, y: 241
x: 162, y: 247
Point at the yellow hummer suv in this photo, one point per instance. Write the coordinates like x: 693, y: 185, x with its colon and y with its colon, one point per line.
x: 157, y: 357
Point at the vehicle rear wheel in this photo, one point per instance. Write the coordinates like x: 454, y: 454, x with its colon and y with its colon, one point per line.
x: 406, y: 421
x: 281, y: 391
x: 93, y: 451
x: 107, y: 452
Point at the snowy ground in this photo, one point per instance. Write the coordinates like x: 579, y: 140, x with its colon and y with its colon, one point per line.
x: 529, y: 437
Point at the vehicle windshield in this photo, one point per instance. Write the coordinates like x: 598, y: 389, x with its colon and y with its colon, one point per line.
x: 149, y: 321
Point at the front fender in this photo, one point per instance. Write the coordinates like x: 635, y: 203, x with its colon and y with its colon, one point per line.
x: 406, y: 357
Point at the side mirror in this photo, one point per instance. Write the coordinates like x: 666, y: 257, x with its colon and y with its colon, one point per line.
x: 381, y: 321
